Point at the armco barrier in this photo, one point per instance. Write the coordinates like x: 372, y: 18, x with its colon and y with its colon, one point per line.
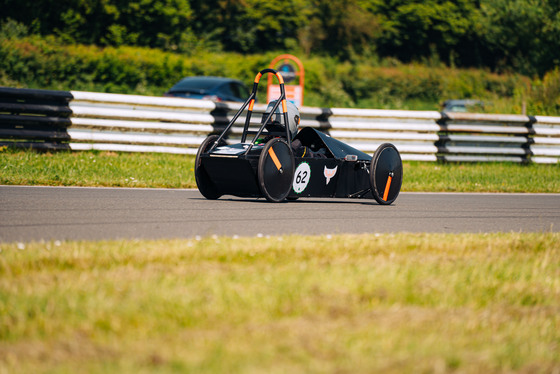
x: 77, y: 120
x: 29, y: 117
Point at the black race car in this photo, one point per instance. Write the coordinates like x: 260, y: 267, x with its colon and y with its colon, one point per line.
x: 280, y: 165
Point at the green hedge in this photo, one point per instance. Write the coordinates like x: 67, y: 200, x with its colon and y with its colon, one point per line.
x: 47, y: 63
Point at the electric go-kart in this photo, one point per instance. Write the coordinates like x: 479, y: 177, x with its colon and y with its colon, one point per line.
x: 266, y: 166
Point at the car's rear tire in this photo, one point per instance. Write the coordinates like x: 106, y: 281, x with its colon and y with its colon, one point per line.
x: 276, y: 170
x: 386, y: 174
x: 203, y: 181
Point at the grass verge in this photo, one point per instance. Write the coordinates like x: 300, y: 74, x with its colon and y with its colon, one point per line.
x: 481, y: 177
x: 97, y: 169
x: 403, y: 303
x: 176, y: 171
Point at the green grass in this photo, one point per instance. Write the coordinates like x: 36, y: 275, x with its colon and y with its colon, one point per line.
x: 407, y: 303
x: 96, y: 169
x: 176, y: 171
x: 481, y: 177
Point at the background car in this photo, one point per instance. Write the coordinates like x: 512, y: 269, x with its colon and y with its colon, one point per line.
x: 463, y: 105
x: 210, y: 88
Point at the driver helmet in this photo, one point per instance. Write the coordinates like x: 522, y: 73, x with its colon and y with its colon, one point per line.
x: 276, y: 122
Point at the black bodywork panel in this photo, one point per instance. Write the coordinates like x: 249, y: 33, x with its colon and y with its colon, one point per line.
x: 235, y: 173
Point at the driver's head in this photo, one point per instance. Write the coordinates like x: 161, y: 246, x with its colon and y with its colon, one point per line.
x: 276, y: 122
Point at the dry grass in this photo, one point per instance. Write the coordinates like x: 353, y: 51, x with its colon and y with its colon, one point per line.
x: 403, y: 303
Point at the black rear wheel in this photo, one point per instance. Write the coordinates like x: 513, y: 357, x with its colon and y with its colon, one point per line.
x: 276, y: 170
x: 385, y: 174
x: 203, y: 181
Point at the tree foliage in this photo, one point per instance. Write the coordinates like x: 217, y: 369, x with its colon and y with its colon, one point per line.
x: 516, y: 35
x: 153, y: 23
x: 521, y: 34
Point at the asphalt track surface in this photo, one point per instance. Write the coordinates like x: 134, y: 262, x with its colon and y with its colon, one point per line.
x: 74, y: 213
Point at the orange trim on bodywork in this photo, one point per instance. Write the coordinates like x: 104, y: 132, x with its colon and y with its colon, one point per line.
x: 258, y: 77
x: 284, y: 106
x: 387, y: 187
x: 251, y: 104
x: 275, y: 158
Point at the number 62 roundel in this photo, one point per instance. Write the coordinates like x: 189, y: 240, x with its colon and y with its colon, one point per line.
x: 301, y: 177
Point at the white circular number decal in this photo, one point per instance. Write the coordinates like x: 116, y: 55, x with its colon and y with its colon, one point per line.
x: 301, y: 177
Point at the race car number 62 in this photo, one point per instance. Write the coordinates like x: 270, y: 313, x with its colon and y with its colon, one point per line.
x: 301, y: 177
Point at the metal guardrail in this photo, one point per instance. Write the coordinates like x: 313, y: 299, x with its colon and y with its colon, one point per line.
x: 29, y: 117
x: 75, y: 120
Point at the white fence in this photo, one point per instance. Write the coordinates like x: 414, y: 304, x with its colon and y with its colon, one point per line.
x: 134, y: 123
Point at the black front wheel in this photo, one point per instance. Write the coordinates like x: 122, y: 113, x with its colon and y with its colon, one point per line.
x: 276, y: 170
x: 385, y: 174
x: 205, y: 185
